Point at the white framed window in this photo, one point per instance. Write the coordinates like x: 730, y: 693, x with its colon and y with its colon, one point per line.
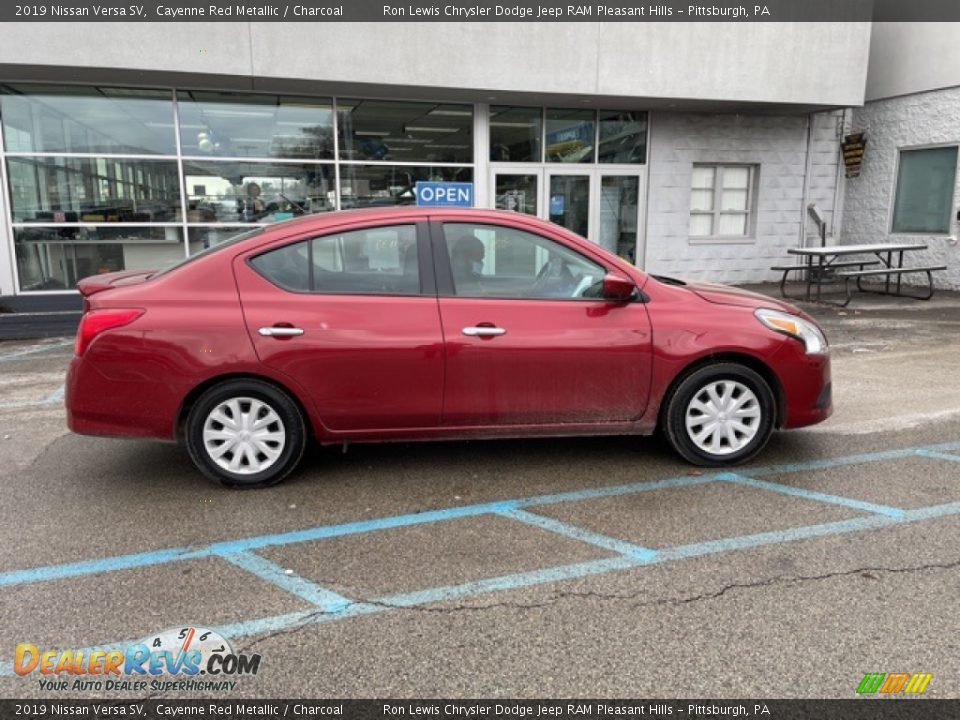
x: 722, y: 201
x: 923, y: 201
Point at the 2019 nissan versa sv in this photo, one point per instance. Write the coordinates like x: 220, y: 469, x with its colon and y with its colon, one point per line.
x: 418, y: 323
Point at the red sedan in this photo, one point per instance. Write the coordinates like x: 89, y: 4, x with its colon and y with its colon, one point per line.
x: 404, y: 323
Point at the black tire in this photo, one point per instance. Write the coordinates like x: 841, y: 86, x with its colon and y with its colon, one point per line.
x: 287, y: 412
x: 694, y: 386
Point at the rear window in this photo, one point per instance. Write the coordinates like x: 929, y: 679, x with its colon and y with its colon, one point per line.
x: 230, y: 241
x: 372, y: 261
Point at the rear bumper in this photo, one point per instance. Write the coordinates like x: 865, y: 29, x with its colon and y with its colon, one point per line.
x: 97, y: 405
x: 806, y: 384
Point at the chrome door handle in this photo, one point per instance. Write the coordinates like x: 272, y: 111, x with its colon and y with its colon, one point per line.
x: 280, y: 331
x: 483, y: 331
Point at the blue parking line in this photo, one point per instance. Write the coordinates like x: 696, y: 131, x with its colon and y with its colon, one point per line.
x: 859, y: 459
x: 606, y: 542
x: 123, y: 562
x: 33, y: 350
x: 516, y: 581
x: 102, y: 565
x: 326, y: 600
x: 615, y: 490
x: 54, y: 398
x: 939, y: 455
x: 811, y: 495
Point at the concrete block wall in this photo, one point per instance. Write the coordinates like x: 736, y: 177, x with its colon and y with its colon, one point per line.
x: 922, y: 119
x: 777, y: 144
x: 825, y: 158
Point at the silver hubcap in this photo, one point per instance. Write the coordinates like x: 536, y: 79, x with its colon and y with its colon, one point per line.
x: 723, y: 417
x: 244, y: 435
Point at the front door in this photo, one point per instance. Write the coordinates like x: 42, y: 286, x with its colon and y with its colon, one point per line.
x: 529, y: 340
x: 353, y: 319
x: 602, y: 204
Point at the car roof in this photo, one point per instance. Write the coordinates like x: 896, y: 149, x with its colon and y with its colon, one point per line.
x: 394, y: 211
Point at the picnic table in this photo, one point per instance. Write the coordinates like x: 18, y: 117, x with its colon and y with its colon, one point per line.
x: 830, y: 264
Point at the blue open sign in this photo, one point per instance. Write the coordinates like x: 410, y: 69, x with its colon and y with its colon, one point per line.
x: 438, y: 194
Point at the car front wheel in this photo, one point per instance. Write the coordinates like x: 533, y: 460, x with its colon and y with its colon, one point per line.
x: 719, y: 415
x: 245, y: 433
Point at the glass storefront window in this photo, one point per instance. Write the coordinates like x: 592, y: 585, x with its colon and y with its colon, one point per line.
x: 515, y: 134
x: 405, y: 131
x: 516, y: 192
x: 56, y: 258
x: 267, y: 126
x: 71, y: 189
x: 371, y: 185
x: 204, y: 237
x: 57, y: 119
x: 619, y: 198
x: 570, y: 135
x: 248, y: 192
x: 623, y: 137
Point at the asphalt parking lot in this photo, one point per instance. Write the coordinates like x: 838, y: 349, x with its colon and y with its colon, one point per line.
x: 600, y: 567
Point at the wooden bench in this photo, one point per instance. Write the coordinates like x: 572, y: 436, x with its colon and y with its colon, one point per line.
x: 899, y: 272
x: 828, y: 270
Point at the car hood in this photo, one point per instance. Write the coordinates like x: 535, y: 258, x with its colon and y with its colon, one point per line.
x: 728, y: 295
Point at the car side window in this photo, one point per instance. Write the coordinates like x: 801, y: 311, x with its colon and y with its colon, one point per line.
x: 371, y: 261
x: 503, y: 262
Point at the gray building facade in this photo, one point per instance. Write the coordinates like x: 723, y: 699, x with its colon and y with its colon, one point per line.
x: 691, y: 148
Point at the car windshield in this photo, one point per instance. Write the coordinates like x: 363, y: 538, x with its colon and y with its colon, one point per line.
x: 210, y: 250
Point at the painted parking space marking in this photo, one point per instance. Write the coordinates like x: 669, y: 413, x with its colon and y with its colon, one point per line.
x: 264, y: 569
x: 329, y: 606
x: 33, y: 349
x: 811, y: 494
x: 54, y: 398
x: 923, y: 452
x: 578, y: 533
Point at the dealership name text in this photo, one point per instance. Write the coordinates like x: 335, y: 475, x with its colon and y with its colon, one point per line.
x: 550, y: 12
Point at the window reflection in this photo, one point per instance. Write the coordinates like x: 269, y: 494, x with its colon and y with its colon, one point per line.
x: 56, y: 258
x: 570, y: 135
x: 235, y: 125
x: 204, y: 238
x: 405, y: 131
x: 223, y: 191
x: 515, y: 134
x: 57, y: 190
x: 87, y: 120
x: 623, y: 137
x: 371, y: 185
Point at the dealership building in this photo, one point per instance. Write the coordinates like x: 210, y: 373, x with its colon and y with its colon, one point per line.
x: 692, y: 149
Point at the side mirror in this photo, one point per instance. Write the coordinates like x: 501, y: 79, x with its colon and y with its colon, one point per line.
x: 618, y: 287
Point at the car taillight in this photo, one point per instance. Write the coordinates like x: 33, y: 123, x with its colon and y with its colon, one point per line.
x: 96, y: 321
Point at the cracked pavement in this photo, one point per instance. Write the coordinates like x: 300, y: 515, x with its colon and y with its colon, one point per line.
x: 798, y: 618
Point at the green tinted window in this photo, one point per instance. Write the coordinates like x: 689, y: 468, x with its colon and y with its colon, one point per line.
x: 925, y: 183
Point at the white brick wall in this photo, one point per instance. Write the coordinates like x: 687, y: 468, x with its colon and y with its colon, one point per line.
x: 929, y: 118
x: 778, y: 145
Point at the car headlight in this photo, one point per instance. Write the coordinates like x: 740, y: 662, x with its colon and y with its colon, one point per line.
x: 806, y: 332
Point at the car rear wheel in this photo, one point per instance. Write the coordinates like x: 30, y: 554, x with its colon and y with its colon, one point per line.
x: 245, y: 433
x: 719, y: 415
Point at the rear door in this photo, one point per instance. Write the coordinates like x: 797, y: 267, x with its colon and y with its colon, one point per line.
x: 529, y: 340
x: 352, y: 316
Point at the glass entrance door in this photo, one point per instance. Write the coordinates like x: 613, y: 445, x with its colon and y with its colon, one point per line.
x: 569, y: 201
x: 517, y: 190
x: 603, y: 204
x: 619, y: 215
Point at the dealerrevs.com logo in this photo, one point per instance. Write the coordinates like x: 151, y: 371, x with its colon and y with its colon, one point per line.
x: 189, y: 658
x: 894, y: 683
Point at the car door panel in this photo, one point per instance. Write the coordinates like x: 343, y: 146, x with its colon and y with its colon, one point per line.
x: 551, y: 360
x: 369, y: 361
